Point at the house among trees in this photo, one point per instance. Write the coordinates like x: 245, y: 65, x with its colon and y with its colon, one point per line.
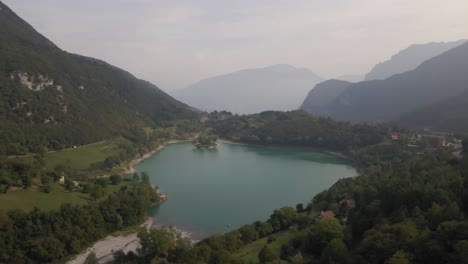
x: 456, y: 144
x: 63, y: 181
x: 434, y: 141
x: 327, y: 214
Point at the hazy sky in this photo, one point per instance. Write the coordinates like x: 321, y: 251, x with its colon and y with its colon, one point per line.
x: 174, y: 43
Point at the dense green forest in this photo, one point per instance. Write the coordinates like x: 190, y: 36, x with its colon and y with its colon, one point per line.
x: 295, y: 128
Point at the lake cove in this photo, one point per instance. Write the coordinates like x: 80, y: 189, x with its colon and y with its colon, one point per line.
x: 218, y: 190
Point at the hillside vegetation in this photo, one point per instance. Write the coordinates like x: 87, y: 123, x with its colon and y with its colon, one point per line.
x: 51, y: 99
x: 448, y: 115
x: 295, y: 128
x: 42, y: 236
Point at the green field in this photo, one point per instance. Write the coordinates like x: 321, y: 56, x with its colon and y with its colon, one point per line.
x: 81, y: 158
x: 78, y: 160
x: 27, y: 199
x: 249, y: 253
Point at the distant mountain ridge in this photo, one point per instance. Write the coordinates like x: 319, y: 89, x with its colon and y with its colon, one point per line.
x: 351, y: 78
x: 405, y: 60
x: 277, y: 87
x: 437, y: 80
x: 410, y: 58
x: 49, y: 97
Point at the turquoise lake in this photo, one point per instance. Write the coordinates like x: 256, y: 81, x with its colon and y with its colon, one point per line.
x: 218, y: 190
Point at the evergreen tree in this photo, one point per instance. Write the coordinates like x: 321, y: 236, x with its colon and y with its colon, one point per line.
x: 91, y: 259
x: 268, y: 255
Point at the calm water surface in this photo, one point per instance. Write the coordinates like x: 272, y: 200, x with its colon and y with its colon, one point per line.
x: 217, y: 190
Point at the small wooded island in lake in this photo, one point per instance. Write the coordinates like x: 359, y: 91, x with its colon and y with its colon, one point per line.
x: 205, y: 140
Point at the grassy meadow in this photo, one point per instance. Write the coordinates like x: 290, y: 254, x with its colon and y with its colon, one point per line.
x: 27, y: 199
x: 249, y: 253
x: 78, y: 161
x: 81, y: 158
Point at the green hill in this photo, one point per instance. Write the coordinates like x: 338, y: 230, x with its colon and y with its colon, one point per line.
x: 51, y: 98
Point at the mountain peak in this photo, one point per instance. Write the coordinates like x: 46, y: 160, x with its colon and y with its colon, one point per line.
x: 435, y: 80
x: 13, y: 28
x: 276, y: 87
x: 410, y: 58
x: 57, y: 93
x: 281, y: 67
x: 287, y: 68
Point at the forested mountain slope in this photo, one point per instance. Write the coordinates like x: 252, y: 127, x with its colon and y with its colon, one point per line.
x: 449, y: 115
x: 54, y: 99
x: 323, y: 94
x: 436, y: 80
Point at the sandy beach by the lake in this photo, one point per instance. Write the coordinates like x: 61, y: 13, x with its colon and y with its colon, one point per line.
x: 105, y: 248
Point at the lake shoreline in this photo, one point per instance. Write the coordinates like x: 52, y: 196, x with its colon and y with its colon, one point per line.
x: 131, y: 166
x: 168, y: 168
x: 105, y: 247
x: 333, y: 153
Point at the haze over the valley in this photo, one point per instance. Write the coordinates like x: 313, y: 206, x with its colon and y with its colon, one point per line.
x: 277, y: 87
x: 177, y: 43
x: 330, y: 131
